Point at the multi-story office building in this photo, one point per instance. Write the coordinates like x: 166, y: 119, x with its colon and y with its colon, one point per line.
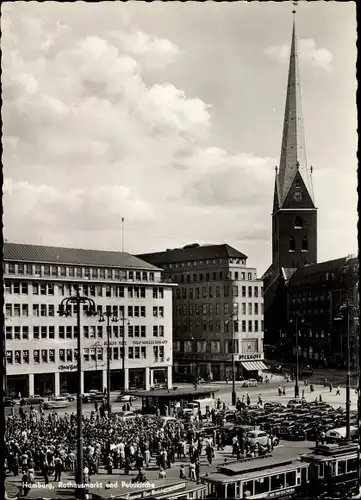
x: 41, y: 345
x: 218, y: 299
x: 315, y: 294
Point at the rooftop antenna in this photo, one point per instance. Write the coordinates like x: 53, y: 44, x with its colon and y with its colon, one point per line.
x: 276, y: 169
x: 122, y: 234
x: 311, y: 169
x: 295, y: 4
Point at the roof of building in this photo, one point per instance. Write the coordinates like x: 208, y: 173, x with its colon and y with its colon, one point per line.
x: 329, y: 266
x: 191, y: 253
x: 18, y: 252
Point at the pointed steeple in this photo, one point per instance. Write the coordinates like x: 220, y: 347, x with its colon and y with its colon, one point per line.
x: 293, y: 153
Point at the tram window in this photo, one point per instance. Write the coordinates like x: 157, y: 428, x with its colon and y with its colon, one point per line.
x: 248, y: 489
x: 277, y: 482
x: 352, y: 465
x: 231, y: 490
x: 321, y: 469
x: 341, y: 467
x: 291, y: 478
x: 303, y: 476
x: 261, y: 485
x: 221, y: 491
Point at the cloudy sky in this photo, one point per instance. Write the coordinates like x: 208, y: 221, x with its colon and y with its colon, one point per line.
x: 170, y: 115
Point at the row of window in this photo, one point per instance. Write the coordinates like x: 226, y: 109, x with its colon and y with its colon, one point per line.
x: 216, y: 346
x: 205, y: 262
x: 46, y: 310
x: 209, y: 309
x: 292, y: 244
x: 133, y: 292
x: 77, y: 272
x: 218, y: 326
x: 308, y: 334
x: 214, y: 276
x: 71, y: 332
x: 208, y: 292
x: 70, y: 355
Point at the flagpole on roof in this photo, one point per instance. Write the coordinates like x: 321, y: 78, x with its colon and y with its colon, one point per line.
x: 122, y: 234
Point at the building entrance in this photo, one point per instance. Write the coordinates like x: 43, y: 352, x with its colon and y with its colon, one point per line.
x: 44, y: 383
x: 17, y: 384
x: 116, y: 380
x: 69, y: 382
x: 137, y: 378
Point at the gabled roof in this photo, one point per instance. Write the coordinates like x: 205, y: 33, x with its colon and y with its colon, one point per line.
x: 191, y: 253
x: 18, y: 252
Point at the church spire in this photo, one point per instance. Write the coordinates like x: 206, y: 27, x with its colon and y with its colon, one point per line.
x: 293, y: 154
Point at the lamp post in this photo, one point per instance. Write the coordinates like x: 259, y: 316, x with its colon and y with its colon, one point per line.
x: 65, y: 310
x: 233, y: 316
x: 345, y: 310
x: 109, y: 317
x: 298, y: 317
x: 124, y: 321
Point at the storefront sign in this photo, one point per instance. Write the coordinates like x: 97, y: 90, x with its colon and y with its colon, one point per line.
x: 250, y: 357
x: 67, y: 367
x: 152, y: 342
x: 115, y: 342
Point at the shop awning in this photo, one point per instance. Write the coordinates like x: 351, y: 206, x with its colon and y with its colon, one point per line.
x: 252, y: 366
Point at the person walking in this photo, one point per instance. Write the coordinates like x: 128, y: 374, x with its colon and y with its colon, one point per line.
x: 284, y: 390
x: 182, y: 472
x: 338, y: 393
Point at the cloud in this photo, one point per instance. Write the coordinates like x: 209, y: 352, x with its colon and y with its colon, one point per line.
x: 309, y: 53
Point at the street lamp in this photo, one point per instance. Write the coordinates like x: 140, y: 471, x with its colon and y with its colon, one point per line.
x: 109, y: 317
x: 124, y: 320
x: 65, y: 310
x: 234, y: 317
x: 298, y: 317
x: 345, y: 310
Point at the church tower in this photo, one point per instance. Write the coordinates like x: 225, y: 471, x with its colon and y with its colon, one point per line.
x: 294, y: 216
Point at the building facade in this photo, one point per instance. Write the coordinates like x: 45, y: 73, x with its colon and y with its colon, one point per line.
x: 217, y: 307
x: 41, y: 354
x: 315, y: 294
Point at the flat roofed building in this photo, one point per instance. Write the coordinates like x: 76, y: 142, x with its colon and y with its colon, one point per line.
x: 41, y: 346
x: 218, y: 299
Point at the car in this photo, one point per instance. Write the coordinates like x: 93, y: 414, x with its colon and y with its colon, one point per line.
x: 127, y: 415
x: 261, y: 437
x: 271, y: 405
x: 9, y: 402
x: 294, y: 403
x: 251, y: 382
x: 68, y: 396
x: 306, y: 371
x: 32, y: 400
x: 56, y: 403
x: 125, y: 398
x: 227, y: 415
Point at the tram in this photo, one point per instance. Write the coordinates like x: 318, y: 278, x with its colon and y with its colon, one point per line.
x: 268, y: 477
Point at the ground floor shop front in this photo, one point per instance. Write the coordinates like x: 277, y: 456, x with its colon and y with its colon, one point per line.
x: 220, y: 371
x: 66, y: 380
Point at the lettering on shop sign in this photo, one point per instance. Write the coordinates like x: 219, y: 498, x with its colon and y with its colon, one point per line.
x: 115, y: 342
x: 152, y: 342
x: 249, y: 357
x: 67, y: 367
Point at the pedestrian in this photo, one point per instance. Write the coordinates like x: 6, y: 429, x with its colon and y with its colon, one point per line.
x: 303, y: 394
x: 284, y: 390
x: 192, y: 472
x: 260, y: 400
x: 162, y: 473
x: 338, y: 393
x: 198, y: 471
x: 279, y: 390
x: 24, y: 484
x: 248, y: 400
x: 86, y: 473
x: 58, y: 468
x: 182, y: 472
x: 226, y: 379
x: 325, y: 382
x: 320, y: 398
x: 311, y: 388
x: 330, y: 387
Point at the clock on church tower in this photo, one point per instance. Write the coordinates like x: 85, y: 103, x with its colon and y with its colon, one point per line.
x: 298, y: 196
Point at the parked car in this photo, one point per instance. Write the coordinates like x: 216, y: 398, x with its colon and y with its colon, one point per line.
x: 294, y: 403
x: 125, y: 398
x: 261, y: 437
x: 272, y: 406
x: 306, y: 371
x: 68, y: 396
x: 251, y: 382
x: 127, y: 415
x: 32, y: 400
x: 9, y: 402
x: 56, y: 403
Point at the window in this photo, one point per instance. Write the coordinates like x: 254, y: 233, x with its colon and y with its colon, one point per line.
x: 215, y: 346
x: 43, y: 310
x: 143, y: 331
x: 226, y: 291
x: 136, y: 352
x: 9, y: 357
x: 51, y: 332
x: 249, y: 291
x: 17, y: 310
x: 155, y: 331
x: 256, y: 308
x: 61, y: 355
x: 36, y: 332
x: 8, y: 310
x: 138, y: 275
x: 197, y: 293
x: 256, y: 291
x: 136, y: 311
x: 277, y: 481
x: 28, y: 269
x: 17, y: 357
x: 155, y: 311
x: 142, y: 311
x: 136, y: 331
x: 292, y: 245
x: 44, y: 332
x: 291, y: 478
x: 130, y: 331
x: 250, y: 308
x: 243, y: 326
x: 17, y: 333
x: 24, y: 288
x: 298, y: 223
x: 143, y: 352
x: 9, y: 333
x: 100, y: 331
x: 256, y: 325
x: 8, y: 287
x: 115, y: 354
x: 20, y: 268
x: 36, y: 310
x: 130, y: 311
x: 250, y: 325
x: 52, y: 355
x: 130, y: 353
x: 204, y: 309
x: 305, y: 244
x: 26, y: 357
x: 243, y: 291
x: 108, y: 291
x: 46, y: 270
x: 11, y: 268
x: 17, y: 287
x: 187, y: 346
x: 341, y: 463
x: 69, y: 332
x: 235, y: 291
x: 36, y: 355
x: 51, y: 310
x: 144, y: 276
x: 161, y: 353
x: 94, y: 273
x: 226, y: 308
x: 86, y: 354
x: 99, y: 353
x: 63, y: 271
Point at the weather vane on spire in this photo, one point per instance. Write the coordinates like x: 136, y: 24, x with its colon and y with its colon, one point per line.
x: 295, y: 4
